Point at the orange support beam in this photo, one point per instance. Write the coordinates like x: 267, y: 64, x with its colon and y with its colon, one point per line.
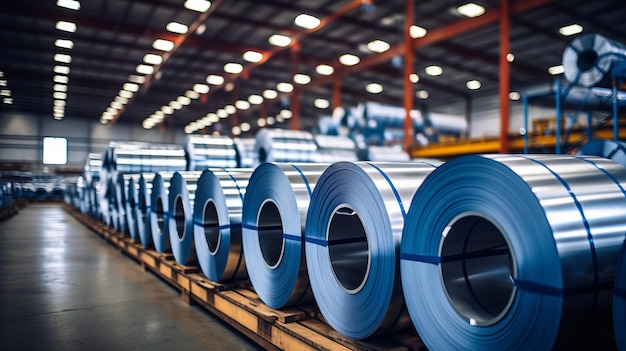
x: 408, y: 69
x: 505, y: 73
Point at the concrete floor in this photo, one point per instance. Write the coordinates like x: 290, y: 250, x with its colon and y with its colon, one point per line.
x: 62, y: 287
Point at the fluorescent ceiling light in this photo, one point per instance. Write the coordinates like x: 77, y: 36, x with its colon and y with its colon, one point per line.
x: 137, y: 79
x: 69, y: 4
x: 471, y: 10
x: 307, y: 21
x: 62, y: 69
x: 63, y: 58
x: 514, y: 95
x: 510, y: 57
x: 183, y: 100
x: 131, y: 87
x: 255, y: 99
x: 236, y: 130
x: 8, y: 101
x: 198, y: 5
x: 349, y: 59
x: 242, y: 104
x: 554, y: 70
x: 66, y: 26
x: 286, y: 114
x: 279, y: 119
x: 279, y: 40
x: 230, y: 109
x: 163, y: 45
x: 64, y: 43
x: 221, y: 113
x: 215, y: 79
x: 433, y: 70
x: 111, y: 110
x: 153, y: 59
x: 148, y: 125
x: 261, y: 122
x: 61, y: 79
x: 378, y: 46
x: 175, y: 105
x: 58, y: 109
x: 60, y: 87
x: 176, y: 27
x: 300, y: 78
x: 233, y: 68
x: 473, y: 84
x: 325, y: 70
x: 116, y: 105
x: 3, y: 82
x: 252, y: 56
x: 60, y: 103
x: 125, y: 94
x: 374, y: 88
x: 271, y: 120
x: 213, y: 117
x: 59, y: 95
x: 121, y: 100
x: 284, y: 87
x: 201, y: 28
x: 245, y: 126
x: 5, y: 92
x: 270, y: 94
x: 192, y: 94
x: 201, y: 88
x: 414, y: 78
x: 321, y: 103
x: 422, y: 94
x: 167, y: 110
x: 571, y: 29
x: 417, y: 31
x: 145, y: 69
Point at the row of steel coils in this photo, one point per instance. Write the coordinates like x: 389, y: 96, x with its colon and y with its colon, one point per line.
x: 486, y: 252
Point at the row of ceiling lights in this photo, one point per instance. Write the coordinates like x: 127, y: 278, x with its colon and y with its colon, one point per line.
x: 62, y: 61
x: 5, y: 92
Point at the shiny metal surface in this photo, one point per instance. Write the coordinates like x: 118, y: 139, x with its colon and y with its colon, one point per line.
x: 282, y: 145
x: 182, y: 194
x: 615, y: 150
x: 207, y: 151
x: 138, y: 157
x: 276, y: 201
x: 144, y: 209
x: 160, y: 211
x: 589, y: 58
x: 246, y: 155
x: 353, y: 233
x: 524, y: 250
x: 217, y: 223
x: 332, y: 148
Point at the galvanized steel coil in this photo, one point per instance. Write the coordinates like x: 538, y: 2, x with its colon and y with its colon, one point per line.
x: 143, y: 211
x: 160, y: 211
x: 589, y: 58
x: 504, y: 252
x: 217, y: 223
x: 332, y: 148
x: 274, y: 214
x: 206, y: 151
x: 182, y: 195
x: 615, y: 150
x: 353, y: 232
x: 281, y: 145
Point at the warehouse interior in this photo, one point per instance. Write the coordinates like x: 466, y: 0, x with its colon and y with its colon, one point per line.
x: 172, y: 95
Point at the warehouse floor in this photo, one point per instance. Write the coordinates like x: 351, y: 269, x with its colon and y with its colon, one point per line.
x: 64, y: 288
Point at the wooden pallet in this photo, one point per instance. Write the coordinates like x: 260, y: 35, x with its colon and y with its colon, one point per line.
x: 10, y: 211
x: 297, y: 328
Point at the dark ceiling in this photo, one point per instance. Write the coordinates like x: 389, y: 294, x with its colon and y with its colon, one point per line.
x: 113, y: 36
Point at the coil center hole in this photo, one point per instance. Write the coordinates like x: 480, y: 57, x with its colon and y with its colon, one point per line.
x: 270, y: 233
x: 210, y: 222
x: 586, y: 60
x: 477, y: 270
x: 179, y: 217
x: 348, y: 248
x: 160, y: 215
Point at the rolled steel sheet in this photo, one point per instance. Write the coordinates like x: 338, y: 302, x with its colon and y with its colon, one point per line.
x: 110, y: 201
x: 144, y: 209
x: 217, y: 223
x: 281, y: 145
x: 206, y: 151
x: 121, y: 198
x: 353, y: 232
x: 615, y: 150
x: 128, y: 190
x: 91, y: 169
x: 332, y: 149
x: 589, y: 58
x: 160, y: 211
x: 390, y: 153
x: 137, y: 157
x: 273, y: 219
x: 246, y: 156
x: 505, y: 252
x: 619, y: 303
x: 182, y: 194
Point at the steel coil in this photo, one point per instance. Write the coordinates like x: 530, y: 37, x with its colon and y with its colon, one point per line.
x: 217, y: 223
x: 182, y: 193
x: 144, y: 209
x: 615, y: 150
x: 353, y: 233
x: 619, y: 302
x: 334, y: 149
x: 206, y: 151
x: 160, y: 211
x: 390, y: 153
x: 589, y: 58
x: 281, y: 145
x: 506, y: 252
x: 246, y: 156
x: 138, y: 157
x: 273, y: 219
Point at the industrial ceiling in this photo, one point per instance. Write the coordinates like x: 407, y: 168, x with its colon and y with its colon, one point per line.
x: 112, y: 38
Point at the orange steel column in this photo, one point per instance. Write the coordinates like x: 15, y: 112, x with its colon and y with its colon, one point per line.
x: 408, y: 69
x: 295, y: 97
x: 336, y: 93
x: 505, y: 72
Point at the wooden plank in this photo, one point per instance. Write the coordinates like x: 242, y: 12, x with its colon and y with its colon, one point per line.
x: 285, y: 315
x: 242, y: 316
x: 294, y: 336
x: 242, y: 302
